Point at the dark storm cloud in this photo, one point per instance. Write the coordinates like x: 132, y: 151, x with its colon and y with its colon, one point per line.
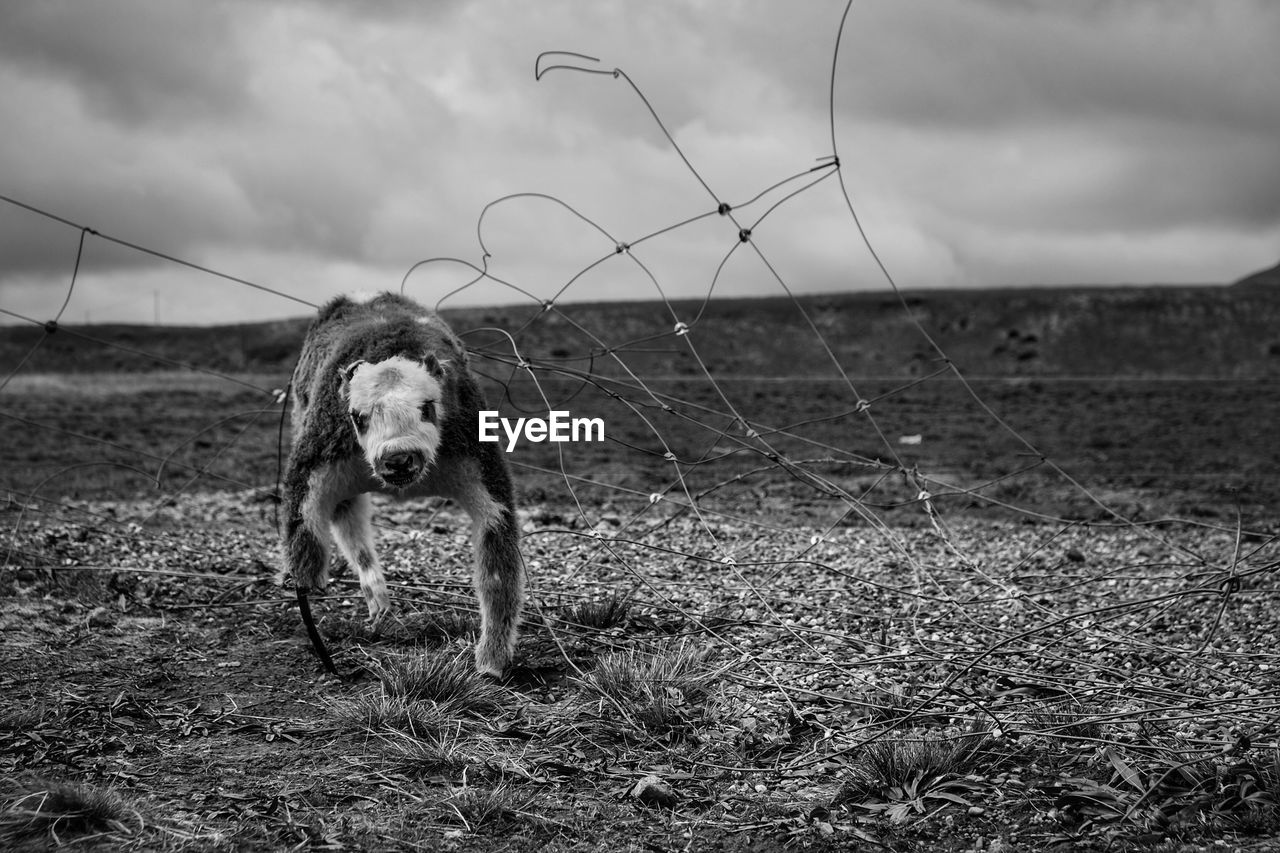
x: 1126, y: 123
x: 136, y: 61
x: 979, y: 64
x: 321, y: 145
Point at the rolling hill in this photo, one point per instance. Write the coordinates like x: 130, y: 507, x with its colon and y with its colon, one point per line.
x: 1137, y: 331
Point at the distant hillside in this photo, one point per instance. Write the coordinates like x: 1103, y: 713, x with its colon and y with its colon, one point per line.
x: 1262, y: 278
x: 1148, y: 331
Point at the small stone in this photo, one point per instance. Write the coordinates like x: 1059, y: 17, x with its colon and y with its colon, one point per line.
x: 653, y: 791
x: 975, y: 811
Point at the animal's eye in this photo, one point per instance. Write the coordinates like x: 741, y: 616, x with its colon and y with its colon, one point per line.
x: 359, y: 421
x: 428, y: 410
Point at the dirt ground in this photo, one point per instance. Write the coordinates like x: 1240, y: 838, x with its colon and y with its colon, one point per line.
x: 149, y: 655
x: 986, y: 677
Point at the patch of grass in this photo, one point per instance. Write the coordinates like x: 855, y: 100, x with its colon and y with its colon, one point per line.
x: 379, y: 713
x: 603, y: 615
x: 899, y: 776
x: 441, y: 678
x: 417, y: 756
x: 36, y: 813
x: 1064, y: 720
x: 499, y: 807
x: 447, y: 625
x: 431, y: 626
x: 428, y: 698
x: 1179, y: 799
x: 661, y: 692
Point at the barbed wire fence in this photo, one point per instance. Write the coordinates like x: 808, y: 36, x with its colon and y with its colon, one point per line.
x: 875, y: 598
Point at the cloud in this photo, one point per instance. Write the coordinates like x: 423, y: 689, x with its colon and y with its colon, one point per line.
x: 133, y: 62
x: 312, y: 143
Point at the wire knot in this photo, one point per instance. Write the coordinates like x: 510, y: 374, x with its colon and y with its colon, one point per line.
x: 621, y: 247
x: 682, y: 328
x: 724, y: 208
x: 744, y: 235
x: 50, y: 327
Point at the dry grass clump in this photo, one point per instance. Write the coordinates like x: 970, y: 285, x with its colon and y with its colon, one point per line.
x: 603, y: 615
x: 423, y: 708
x: 429, y: 695
x: 901, y: 776
x: 441, y: 678
x: 445, y: 753
x: 378, y: 713
x: 435, y: 627
x: 1063, y: 720
x: 662, y: 691
x: 499, y: 807
x: 37, y: 813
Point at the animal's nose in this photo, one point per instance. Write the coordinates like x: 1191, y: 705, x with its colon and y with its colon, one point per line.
x: 400, y: 462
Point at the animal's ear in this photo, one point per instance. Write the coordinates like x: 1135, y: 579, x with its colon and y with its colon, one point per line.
x: 434, y: 365
x: 350, y: 370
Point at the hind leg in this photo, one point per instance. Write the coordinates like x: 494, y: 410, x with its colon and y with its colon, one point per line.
x: 352, y: 530
x: 499, y: 585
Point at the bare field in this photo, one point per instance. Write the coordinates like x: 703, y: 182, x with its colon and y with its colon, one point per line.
x: 1149, y: 448
x: 1078, y: 689
x: 718, y: 655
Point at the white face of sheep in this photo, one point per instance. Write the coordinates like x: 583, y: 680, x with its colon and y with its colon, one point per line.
x: 394, y: 407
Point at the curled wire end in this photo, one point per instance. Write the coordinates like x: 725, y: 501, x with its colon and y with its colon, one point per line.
x: 539, y: 70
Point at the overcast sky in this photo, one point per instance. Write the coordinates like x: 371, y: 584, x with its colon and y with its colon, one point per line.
x: 315, y: 147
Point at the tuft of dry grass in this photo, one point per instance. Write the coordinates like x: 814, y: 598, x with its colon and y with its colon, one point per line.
x: 499, y: 807
x: 910, y: 769
x: 602, y: 615
x: 378, y: 713
x: 441, y: 678
x: 661, y: 692
x: 423, y: 703
x: 418, y: 756
x: 36, y: 813
x: 1064, y: 720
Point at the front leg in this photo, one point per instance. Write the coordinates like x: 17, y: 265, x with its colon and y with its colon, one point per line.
x: 305, y: 549
x: 312, y: 497
x: 353, y: 532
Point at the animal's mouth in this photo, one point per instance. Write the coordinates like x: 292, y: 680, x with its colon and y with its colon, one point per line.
x: 402, y: 469
x: 398, y: 481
